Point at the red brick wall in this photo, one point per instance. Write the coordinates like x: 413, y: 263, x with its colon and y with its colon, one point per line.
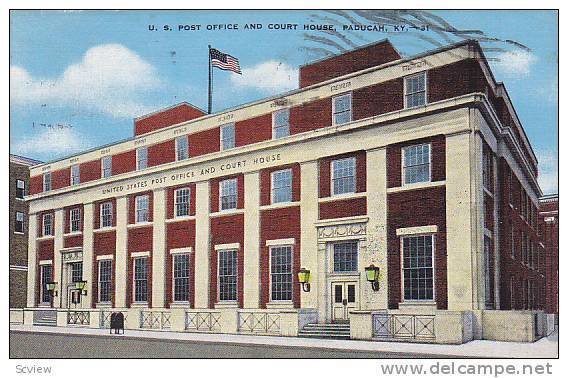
x: 60, y: 178
x: 214, y: 185
x: 253, y: 130
x: 162, y: 153
x: 171, y: 198
x: 438, y: 159
x: 455, y: 79
x: 73, y: 241
x: 90, y: 170
x: 343, y: 208
x: 132, y: 206
x: 311, y: 116
x: 168, y: 117
x: 45, y: 249
x: 36, y: 184
x: 325, y: 172
x: 378, y: 99
x: 266, y: 183
x: 279, y: 224
x: 204, y: 142
x: 180, y: 235
x: 224, y: 230
x: 360, y: 59
x: 124, y: 162
x: 412, y: 209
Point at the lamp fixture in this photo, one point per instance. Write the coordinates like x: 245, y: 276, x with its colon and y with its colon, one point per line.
x: 304, y: 279
x: 372, y: 273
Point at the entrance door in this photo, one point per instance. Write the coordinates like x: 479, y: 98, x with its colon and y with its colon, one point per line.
x: 344, y: 296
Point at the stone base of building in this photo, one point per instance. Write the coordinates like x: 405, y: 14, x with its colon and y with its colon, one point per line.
x: 425, y: 326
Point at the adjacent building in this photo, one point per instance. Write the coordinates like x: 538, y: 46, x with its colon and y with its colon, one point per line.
x: 417, y: 166
x: 548, y: 223
x: 19, y: 184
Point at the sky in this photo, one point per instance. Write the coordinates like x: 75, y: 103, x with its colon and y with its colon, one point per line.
x: 79, y: 78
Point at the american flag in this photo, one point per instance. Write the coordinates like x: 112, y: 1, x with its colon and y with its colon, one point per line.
x: 224, y: 61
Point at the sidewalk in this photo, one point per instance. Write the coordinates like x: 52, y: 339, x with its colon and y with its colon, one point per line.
x: 544, y: 348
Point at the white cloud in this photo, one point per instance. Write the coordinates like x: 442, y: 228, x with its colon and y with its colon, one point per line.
x: 52, y: 142
x: 515, y: 63
x: 270, y: 76
x: 109, y: 78
x: 548, y: 171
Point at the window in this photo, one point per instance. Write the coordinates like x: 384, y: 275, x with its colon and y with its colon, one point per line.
x: 417, y: 267
x: 228, y: 194
x: 343, y: 176
x: 345, y: 257
x: 512, y: 240
x: 281, y: 123
x: 415, y: 90
x: 181, y: 277
x: 416, y: 163
x: 141, y: 279
x: 106, y: 166
x: 281, y: 273
x: 46, y: 272
x: 227, y: 136
x: 75, y: 216
x: 47, y: 181
x: 142, y: 204
x: 510, y: 186
x: 523, y: 248
x: 19, y: 226
x: 20, y: 189
x: 106, y: 214
x: 76, y: 272
x: 487, y: 169
x: 282, y: 186
x: 512, y: 291
x: 141, y: 158
x: 105, y: 280
x: 47, y: 224
x: 228, y: 275
x: 182, y: 148
x: 488, y: 265
x: 342, y: 109
x: 75, y: 175
x: 181, y: 202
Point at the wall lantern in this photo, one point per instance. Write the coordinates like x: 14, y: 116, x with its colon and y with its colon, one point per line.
x: 51, y: 288
x: 80, y: 285
x: 373, y: 276
x: 304, y: 278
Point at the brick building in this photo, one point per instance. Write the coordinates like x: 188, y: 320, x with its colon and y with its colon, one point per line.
x: 548, y: 224
x: 418, y: 166
x: 19, y: 182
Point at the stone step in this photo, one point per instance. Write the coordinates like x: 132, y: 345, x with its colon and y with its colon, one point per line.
x: 326, y: 331
x: 326, y: 328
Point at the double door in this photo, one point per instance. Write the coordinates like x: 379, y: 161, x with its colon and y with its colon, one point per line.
x: 345, y: 299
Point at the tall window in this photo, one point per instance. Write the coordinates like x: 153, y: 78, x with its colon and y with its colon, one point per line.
x: 182, y: 148
x: 488, y: 264
x: 141, y: 158
x: 510, y: 186
x: 228, y: 275
x: 282, y: 186
x: 523, y: 247
x: 106, y: 166
x: 76, y: 271
x: 75, y: 175
x: 141, y: 279
x: 281, y: 123
x: 182, y: 202
x: 345, y: 257
x: 416, y: 163
x: 47, y: 224
x: 20, y: 189
x: 46, y: 272
x: 415, y: 90
x: 343, y: 176
x: 417, y: 267
x: 106, y: 214
x: 181, y: 277
x: 227, y: 136
x: 342, y: 109
x: 512, y: 240
x: 512, y: 291
x: 75, y: 215
x: 487, y: 169
x: 105, y: 280
x: 228, y: 194
x: 281, y: 273
x: 19, y: 226
x: 142, y: 205
x: 47, y: 181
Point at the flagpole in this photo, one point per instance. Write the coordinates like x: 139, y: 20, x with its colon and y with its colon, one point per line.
x: 209, y: 103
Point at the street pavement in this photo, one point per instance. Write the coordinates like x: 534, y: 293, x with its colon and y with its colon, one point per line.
x: 33, y: 345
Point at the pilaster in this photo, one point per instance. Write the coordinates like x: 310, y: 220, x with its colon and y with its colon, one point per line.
x: 252, y: 241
